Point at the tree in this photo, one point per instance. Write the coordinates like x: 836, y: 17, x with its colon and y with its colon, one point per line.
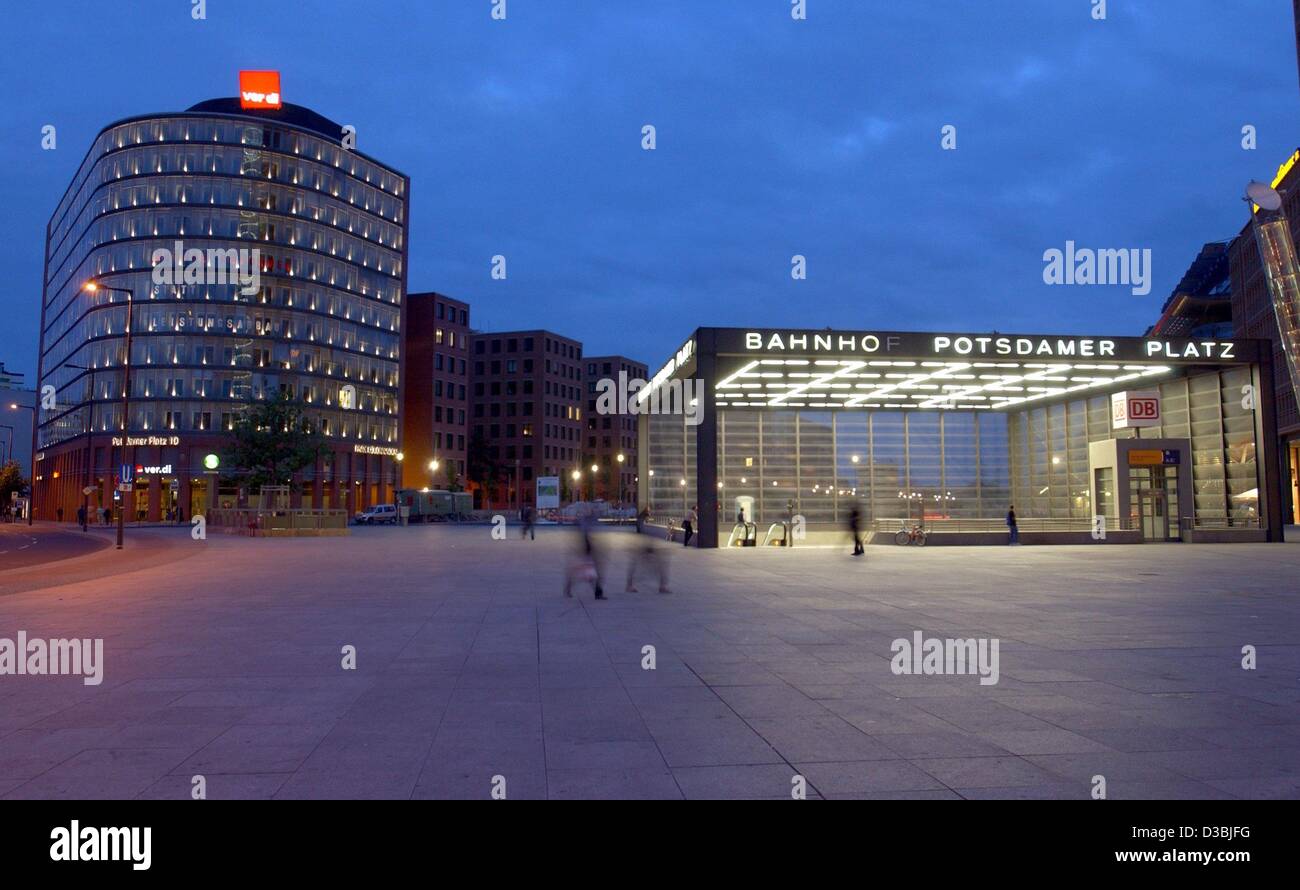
x: 11, y: 481
x: 480, y: 466
x: 453, y: 478
x: 271, y: 441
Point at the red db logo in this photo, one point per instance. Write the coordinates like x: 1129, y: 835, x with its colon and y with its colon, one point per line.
x: 1144, y: 409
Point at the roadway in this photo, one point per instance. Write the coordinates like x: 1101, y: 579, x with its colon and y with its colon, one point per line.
x: 22, y: 545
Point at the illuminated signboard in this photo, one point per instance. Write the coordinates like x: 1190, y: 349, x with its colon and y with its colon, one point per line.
x: 1153, y: 457
x: 1130, y: 410
x: 259, y: 89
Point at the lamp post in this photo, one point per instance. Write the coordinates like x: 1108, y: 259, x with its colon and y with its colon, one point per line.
x: 92, y: 287
x: 12, y: 433
x: 31, y: 499
x: 575, y: 476
x: 621, y: 497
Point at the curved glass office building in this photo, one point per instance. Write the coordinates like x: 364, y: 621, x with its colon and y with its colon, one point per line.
x: 1091, y: 439
x: 315, y: 313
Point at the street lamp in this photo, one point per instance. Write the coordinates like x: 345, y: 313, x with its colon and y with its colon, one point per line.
x: 621, y: 498
x: 92, y: 287
x: 31, y: 500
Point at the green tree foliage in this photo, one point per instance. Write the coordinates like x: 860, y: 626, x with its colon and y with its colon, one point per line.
x: 270, y: 442
x: 11, y: 480
x: 479, y: 465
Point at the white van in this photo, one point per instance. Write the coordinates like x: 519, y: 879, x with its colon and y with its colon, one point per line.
x: 379, y: 513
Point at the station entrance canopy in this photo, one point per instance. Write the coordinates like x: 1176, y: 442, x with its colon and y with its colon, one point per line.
x: 865, y: 369
x: 953, y: 428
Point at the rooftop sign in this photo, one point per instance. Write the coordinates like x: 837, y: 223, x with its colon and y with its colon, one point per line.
x: 259, y: 89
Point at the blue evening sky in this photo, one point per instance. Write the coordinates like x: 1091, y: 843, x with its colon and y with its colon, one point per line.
x: 775, y: 137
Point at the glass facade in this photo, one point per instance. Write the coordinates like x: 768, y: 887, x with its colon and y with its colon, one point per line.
x: 330, y: 228
x: 1049, y: 452
x: 931, y: 434
x: 892, y: 464
x: 323, y: 324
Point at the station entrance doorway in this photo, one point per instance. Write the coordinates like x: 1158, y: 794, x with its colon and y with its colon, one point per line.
x: 1153, y: 496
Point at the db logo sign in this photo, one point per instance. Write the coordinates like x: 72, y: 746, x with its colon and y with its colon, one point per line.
x: 1129, y: 410
x: 1144, y: 409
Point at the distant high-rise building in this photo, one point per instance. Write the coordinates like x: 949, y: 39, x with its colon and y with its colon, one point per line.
x: 1201, y: 303
x: 611, y: 435
x: 435, y: 398
x: 526, y: 403
x: 10, y: 379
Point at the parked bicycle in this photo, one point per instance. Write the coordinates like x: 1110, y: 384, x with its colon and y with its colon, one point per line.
x: 914, y: 534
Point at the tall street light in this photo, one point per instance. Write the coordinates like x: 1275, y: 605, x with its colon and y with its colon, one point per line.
x: 93, y: 287
x: 621, y: 499
x: 31, y: 497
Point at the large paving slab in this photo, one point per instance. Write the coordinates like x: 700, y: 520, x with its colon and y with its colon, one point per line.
x: 474, y: 674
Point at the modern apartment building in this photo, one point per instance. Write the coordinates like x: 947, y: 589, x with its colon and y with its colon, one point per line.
x: 435, y: 398
x: 526, y: 414
x: 611, y: 437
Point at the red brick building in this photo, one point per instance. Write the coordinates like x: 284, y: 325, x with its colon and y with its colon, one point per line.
x: 526, y: 408
x: 611, y: 435
x: 435, y: 406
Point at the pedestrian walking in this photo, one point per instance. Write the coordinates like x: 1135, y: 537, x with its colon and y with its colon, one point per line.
x: 584, y: 568
x: 688, y: 525
x: 58, y: 511
x: 651, y: 556
x: 81, y: 517
x: 641, y: 519
x: 530, y: 522
x: 855, y: 527
x: 1013, y: 527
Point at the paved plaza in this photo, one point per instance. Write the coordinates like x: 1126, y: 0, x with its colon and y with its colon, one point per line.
x: 224, y: 659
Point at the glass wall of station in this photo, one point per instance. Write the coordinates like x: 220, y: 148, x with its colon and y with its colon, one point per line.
x: 892, y: 464
x: 939, y: 465
x: 1049, y: 447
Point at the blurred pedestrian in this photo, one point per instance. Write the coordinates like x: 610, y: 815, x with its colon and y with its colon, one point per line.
x: 1013, y: 527
x: 654, y: 557
x: 688, y: 525
x: 584, y: 568
x: 81, y: 517
x: 530, y: 523
x: 855, y: 527
x: 641, y: 519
